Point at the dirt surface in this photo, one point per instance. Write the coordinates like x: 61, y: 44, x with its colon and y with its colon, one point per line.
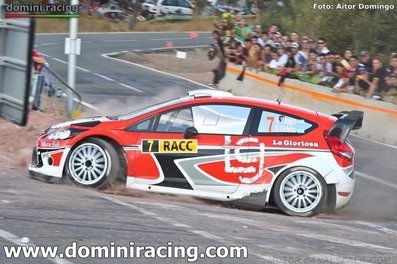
x: 195, y: 67
x: 17, y: 142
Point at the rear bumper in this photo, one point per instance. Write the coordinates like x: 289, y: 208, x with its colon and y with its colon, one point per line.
x: 344, y: 191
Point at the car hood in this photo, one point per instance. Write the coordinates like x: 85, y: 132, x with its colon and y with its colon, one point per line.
x: 88, y: 122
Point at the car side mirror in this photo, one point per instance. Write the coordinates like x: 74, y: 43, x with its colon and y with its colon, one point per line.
x: 190, y: 132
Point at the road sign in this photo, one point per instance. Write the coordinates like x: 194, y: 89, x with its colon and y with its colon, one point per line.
x: 169, y: 44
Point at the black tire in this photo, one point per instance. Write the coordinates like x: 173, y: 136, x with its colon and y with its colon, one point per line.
x: 94, y: 163
x: 300, y: 191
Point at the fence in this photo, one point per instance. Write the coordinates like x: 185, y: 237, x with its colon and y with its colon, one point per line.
x: 51, y: 94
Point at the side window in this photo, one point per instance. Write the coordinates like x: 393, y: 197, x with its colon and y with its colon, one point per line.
x: 271, y: 122
x: 175, y: 121
x: 183, y: 3
x: 169, y: 3
x: 145, y: 125
x: 220, y: 119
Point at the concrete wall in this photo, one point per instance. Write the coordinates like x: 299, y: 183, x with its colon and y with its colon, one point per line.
x: 380, y: 118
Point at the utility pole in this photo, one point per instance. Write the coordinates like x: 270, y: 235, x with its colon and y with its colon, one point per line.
x: 72, y: 48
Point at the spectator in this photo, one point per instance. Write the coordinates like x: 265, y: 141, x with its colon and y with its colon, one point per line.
x: 268, y: 40
x: 366, y: 61
x: 352, y: 69
x: 218, y: 51
x: 294, y: 37
x: 38, y: 61
x: 234, y: 53
x: 290, y: 66
x: 330, y: 62
x: 262, y: 38
x: 275, y: 62
x: 306, y: 46
x: 254, y: 39
x: 310, y: 42
x: 313, y: 64
x: 246, y: 47
x: 266, y: 54
x: 348, y: 54
x: 258, y: 30
x: 283, y: 57
x: 272, y: 30
x: 243, y: 31
x: 278, y: 39
x: 393, y: 64
x: 378, y: 81
x: 322, y: 46
x: 326, y: 71
x: 299, y: 57
x: 391, y: 81
x: 342, y: 79
x: 340, y: 60
x: 254, y: 57
x: 362, y: 81
x: 228, y: 16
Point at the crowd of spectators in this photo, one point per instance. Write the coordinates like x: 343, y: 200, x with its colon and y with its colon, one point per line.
x: 305, y: 58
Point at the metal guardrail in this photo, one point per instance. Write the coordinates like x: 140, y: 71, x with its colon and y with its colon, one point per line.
x: 50, y: 94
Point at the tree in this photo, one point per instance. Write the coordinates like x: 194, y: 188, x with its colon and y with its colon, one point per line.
x: 368, y: 29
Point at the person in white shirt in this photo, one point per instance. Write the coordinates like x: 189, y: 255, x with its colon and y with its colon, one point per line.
x: 283, y: 57
x: 275, y: 62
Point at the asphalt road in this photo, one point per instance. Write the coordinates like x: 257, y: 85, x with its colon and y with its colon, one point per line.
x: 365, y: 231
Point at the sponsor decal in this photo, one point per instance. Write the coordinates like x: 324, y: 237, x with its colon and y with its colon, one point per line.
x: 293, y: 143
x: 276, y: 123
x: 49, y: 144
x: 245, y: 160
x: 169, y: 145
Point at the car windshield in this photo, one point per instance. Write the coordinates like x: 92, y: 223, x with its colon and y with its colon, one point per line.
x: 153, y: 2
x: 148, y: 109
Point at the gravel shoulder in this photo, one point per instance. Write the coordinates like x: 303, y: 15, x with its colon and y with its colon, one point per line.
x: 196, y: 66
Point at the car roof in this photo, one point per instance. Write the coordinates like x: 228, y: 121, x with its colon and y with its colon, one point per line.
x: 217, y: 96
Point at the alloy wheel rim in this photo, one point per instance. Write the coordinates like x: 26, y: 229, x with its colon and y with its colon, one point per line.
x: 88, y: 164
x: 300, y: 191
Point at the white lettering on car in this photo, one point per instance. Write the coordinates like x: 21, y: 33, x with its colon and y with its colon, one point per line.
x: 246, y: 159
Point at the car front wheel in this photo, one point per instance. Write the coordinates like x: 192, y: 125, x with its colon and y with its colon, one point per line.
x: 300, y: 191
x: 94, y: 163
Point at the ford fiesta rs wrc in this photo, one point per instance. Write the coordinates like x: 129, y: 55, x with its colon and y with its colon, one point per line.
x: 213, y: 145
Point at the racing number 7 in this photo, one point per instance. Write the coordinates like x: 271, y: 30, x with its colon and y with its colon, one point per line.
x: 271, y: 120
x: 150, y: 142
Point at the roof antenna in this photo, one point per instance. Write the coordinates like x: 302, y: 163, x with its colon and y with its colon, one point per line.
x: 283, y: 75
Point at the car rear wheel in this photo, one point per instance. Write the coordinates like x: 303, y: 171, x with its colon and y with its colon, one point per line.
x: 300, y: 191
x: 94, y: 163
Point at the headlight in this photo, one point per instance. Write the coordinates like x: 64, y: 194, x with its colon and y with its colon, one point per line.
x: 60, y: 134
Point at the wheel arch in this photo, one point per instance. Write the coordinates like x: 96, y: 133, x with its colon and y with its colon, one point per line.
x: 271, y: 193
x: 113, y: 142
x: 329, y: 198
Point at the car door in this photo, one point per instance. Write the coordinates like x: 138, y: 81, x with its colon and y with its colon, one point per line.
x: 167, y: 6
x: 278, y: 139
x: 207, y: 161
x: 161, y: 142
x: 222, y: 134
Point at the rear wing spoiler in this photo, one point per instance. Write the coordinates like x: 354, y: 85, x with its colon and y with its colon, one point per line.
x: 347, y: 121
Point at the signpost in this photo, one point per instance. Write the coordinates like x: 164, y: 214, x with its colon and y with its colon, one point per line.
x: 72, y: 48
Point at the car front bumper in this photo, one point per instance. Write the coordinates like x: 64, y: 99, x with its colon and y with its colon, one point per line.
x: 48, y: 162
